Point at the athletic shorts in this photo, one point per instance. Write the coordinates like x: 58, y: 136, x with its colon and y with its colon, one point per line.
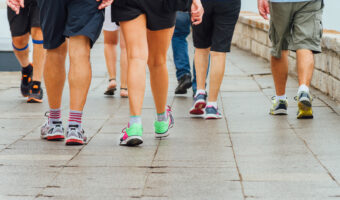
x: 157, y: 14
x: 27, y: 18
x: 217, y: 28
x: 65, y: 18
x: 108, y: 24
x: 296, y: 26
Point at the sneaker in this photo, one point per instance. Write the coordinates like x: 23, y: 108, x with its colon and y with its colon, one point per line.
x: 184, y: 84
x: 197, y: 109
x: 36, y: 95
x: 132, y: 135
x: 75, y: 136
x: 162, y: 128
x: 304, y: 105
x: 55, y: 132
x: 279, y: 107
x: 212, y: 113
x: 25, y: 86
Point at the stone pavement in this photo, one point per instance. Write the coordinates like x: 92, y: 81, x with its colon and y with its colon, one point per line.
x: 246, y: 155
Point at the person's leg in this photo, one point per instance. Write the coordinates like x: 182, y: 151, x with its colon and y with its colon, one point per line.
x: 54, y: 75
x: 218, y: 63
x: 38, y: 53
x: 137, y: 52
x: 21, y: 49
x: 123, y: 67
x: 36, y: 93
x: 80, y: 71
x: 135, y: 35
x: 110, y: 52
x: 158, y: 42
x: 279, y: 68
x: 201, y: 66
x: 180, y: 52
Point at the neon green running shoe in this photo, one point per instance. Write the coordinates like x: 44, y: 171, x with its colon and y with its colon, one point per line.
x: 162, y: 128
x: 132, y: 135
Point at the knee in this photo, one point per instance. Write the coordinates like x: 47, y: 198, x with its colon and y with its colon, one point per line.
x: 79, y: 53
x: 137, y: 54
x: 157, y: 60
x: 203, y: 52
x: 36, y: 34
x: 20, y: 42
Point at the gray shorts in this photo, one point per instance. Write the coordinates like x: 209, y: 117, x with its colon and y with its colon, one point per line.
x: 296, y: 25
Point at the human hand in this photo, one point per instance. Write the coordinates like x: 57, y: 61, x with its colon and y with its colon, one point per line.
x: 104, y: 3
x: 197, y: 12
x: 15, y: 5
x: 263, y: 7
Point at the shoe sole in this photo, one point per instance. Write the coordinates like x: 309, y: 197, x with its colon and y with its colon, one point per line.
x: 110, y: 92
x: 162, y: 135
x: 305, y: 110
x: 279, y: 112
x: 198, y: 109
x: 212, y: 116
x: 74, y: 142
x: 34, y: 100
x: 184, y: 91
x: 132, y: 141
x: 55, y: 138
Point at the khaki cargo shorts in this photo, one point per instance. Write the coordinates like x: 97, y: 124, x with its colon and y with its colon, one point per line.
x: 296, y: 25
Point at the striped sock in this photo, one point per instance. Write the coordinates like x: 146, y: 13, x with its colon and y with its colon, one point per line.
x: 55, y: 115
x: 75, y: 118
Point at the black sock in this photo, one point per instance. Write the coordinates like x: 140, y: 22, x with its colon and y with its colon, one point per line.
x: 27, y: 70
x: 36, y: 86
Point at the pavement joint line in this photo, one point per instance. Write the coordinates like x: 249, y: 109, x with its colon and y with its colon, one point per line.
x: 306, y: 144
x: 20, y: 138
x: 40, y: 194
x: 315, y: 156
x: 234, y: 154
x: 149, y: 171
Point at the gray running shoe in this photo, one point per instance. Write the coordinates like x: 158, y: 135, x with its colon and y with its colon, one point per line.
x: 75, y: 136
x: 53, y: 132
x: 279, y: 107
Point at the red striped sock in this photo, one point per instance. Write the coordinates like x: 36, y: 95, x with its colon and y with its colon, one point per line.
x: 55, y: 115
x: 75, y: 118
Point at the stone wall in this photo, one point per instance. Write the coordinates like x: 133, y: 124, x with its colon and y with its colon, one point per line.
x: 251, y: 34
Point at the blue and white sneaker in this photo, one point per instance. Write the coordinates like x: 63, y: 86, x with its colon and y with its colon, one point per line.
x: 200, y: 102
x: 212, y: 113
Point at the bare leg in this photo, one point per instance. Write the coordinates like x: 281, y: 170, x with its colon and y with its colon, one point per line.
x: 159, y: 42
x: 110, y: 51
x: 280, y: 72
x: 21, y: 42
x: 218, y: 62
x: 201, y: 66
x: 137, y: 52
x: 80, y: 71
x: 305, y: 65
x: 38, y: 55
x: 123, y: 66
x: 54, y: 75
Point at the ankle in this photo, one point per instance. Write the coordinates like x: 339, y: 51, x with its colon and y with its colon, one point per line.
x: 75, y: 118
x: 212, y: 103
x: 54, y: 116
x: 135, y: 120
x: 303, y: 88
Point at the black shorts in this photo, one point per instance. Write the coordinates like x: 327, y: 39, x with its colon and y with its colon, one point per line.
x: 27, y: 18
x: 65, y: 18
x: 217, y: 28
x: 158, y: 15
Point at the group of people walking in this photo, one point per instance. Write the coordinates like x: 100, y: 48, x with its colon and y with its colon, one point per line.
x: 146, y: 29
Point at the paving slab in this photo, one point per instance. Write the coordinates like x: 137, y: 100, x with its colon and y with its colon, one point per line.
x: 247, y: 155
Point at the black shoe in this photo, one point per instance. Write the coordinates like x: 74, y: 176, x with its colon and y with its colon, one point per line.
x: 26, y: 80
x: 36, y: 93
x: 184, y: 83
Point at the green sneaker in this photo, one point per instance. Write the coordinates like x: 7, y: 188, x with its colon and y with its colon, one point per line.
x: 132, y: 135
x: 279, y: 107
x: 162, y: 128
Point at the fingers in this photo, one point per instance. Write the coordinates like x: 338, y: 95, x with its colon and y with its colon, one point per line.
x: 104, y: 4
x: 14, y: 5
x: 22, y: 3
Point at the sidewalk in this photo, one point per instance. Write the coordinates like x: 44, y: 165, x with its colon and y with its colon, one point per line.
x: 247, y: 155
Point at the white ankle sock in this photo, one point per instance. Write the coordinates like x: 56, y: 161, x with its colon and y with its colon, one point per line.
x: 283, y: 97
x: 303, y: 88
x: 200, y: 92
x: 214, y: 104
